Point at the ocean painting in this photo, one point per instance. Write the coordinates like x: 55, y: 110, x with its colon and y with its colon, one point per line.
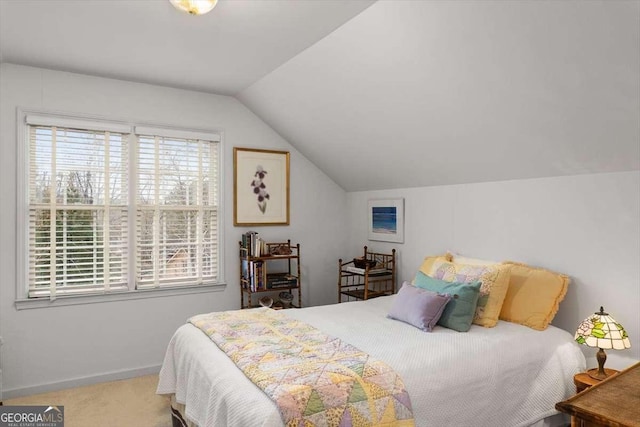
x: 384, y: 219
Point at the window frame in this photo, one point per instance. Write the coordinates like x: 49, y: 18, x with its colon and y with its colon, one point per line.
x: 22, y: 300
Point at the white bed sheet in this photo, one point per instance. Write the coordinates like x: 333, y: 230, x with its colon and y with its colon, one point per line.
x: 509, y: 375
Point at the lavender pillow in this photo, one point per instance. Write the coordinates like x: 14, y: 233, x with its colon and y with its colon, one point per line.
x: 418, y: 307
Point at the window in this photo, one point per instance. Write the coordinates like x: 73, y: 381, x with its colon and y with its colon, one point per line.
x: 176, y: 212
x: 113, y: 207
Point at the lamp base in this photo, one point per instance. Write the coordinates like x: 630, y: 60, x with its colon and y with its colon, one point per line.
x: 593, y: 373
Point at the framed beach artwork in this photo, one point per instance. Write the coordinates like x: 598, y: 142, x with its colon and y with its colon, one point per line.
x: 386, y: 220
x: 260, y: 187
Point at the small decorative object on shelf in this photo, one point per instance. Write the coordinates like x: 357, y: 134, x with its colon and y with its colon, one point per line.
x: 369, y: 276
x: 280, y: 250
x: 286, y: 298
x: 266, y: 301
x: 257, y: 260
x: 364, y: 263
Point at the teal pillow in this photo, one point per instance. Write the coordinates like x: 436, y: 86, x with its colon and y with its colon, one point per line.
x: 458, y: 313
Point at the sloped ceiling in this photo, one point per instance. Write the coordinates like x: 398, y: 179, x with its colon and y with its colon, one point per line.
x: 420, y: 93
x: 149, y: 41
x: 390, y: 94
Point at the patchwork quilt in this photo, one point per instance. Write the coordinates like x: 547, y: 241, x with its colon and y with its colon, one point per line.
x: 313, y: 378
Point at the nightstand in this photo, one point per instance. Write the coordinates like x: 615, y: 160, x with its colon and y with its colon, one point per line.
x: 583, y: 381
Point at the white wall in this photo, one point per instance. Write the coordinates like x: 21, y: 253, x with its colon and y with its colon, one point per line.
x: 53, y: 347
x: 585, y: 226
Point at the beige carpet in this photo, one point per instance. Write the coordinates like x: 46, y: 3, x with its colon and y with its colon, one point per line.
x: 124, y: 403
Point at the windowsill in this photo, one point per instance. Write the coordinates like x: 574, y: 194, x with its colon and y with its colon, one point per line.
x: 25, y: 304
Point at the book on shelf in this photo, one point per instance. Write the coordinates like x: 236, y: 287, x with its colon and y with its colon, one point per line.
x: 356, y: 270
x: 260, y: 247
x: 254, y: 245
x: 257, y: 277
x: 251, y: 277
x: 248, y: 238
x: 281, y: 280
x: 245, y: 268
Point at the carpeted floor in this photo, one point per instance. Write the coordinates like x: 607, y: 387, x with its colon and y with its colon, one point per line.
x: 125, y: 403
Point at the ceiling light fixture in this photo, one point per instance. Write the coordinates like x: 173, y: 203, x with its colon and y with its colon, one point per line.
x: 194, y: 7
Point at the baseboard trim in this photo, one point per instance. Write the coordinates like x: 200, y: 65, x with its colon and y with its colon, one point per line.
x: 79, y: 382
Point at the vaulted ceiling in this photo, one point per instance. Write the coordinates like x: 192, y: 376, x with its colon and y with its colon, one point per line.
x: 379, y: 95
x: 149, y: 41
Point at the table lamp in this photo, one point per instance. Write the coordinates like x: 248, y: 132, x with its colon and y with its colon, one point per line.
x: 602, y: 331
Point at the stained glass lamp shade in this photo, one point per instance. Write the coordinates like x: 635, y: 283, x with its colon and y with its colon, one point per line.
x: 601, y: 331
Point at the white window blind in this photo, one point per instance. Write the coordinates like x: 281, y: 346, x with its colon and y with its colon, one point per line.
x: 78, y: 191
x: 113, y: 207
x: 176, y: 209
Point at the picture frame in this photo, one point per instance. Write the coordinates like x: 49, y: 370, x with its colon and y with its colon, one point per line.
x: 260, y: 187
x: 386, y: 220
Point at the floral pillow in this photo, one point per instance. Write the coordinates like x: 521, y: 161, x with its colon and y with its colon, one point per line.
x: 494, y: 280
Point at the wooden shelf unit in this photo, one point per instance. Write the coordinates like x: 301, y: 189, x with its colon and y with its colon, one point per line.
x: 254, y: 272
x: 367, y: 283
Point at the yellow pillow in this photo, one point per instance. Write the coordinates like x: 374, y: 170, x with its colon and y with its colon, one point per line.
x: 461, y: 259
x: 534, y: 295
x: 426, y: 265
x: 494, y: 281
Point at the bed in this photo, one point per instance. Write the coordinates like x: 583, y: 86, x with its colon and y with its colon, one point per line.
x: 508, y: 375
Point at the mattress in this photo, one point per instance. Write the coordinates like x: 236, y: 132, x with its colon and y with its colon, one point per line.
x: 509, y: 375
